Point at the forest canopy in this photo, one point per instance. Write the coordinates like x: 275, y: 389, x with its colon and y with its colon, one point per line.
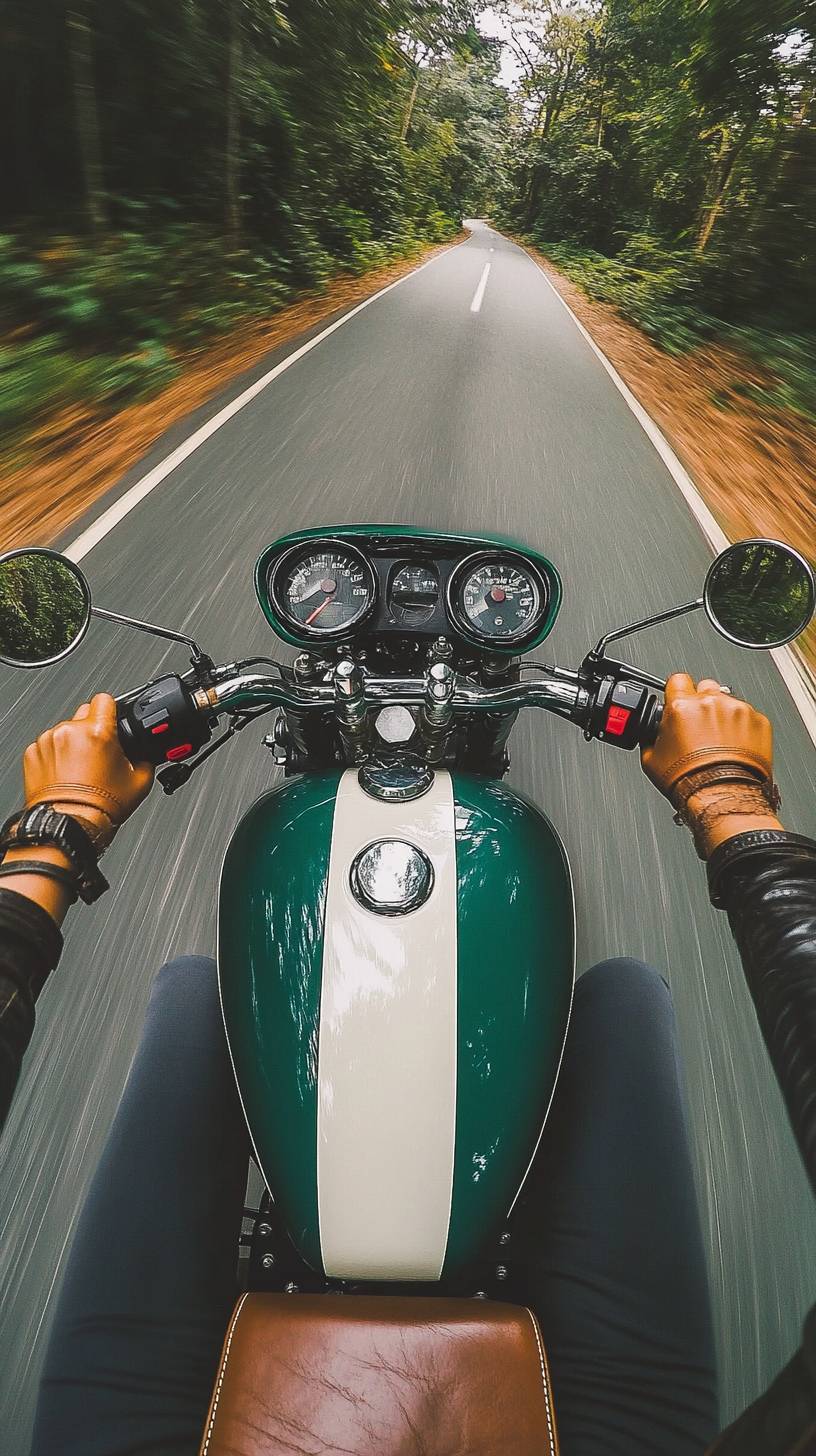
x: 175, y: 165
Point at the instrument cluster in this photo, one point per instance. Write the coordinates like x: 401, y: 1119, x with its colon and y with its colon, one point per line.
x: 371, y: 581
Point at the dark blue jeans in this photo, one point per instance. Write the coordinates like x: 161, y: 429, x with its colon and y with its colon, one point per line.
x: 606, y: 1241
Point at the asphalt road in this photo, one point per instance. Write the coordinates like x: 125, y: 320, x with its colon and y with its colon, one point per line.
x: 417, y: 410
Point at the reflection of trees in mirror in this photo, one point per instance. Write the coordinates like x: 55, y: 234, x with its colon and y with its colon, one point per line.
x: 760, y: 595
x: 42, y: 608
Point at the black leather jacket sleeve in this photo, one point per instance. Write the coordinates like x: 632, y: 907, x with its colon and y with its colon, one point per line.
x: 766, y: 882
x: 30, y: 946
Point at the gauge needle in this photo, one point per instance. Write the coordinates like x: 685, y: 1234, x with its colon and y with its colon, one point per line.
x: 318, y: 610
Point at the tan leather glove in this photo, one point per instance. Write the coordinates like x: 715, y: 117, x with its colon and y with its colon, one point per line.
x: 80, y: 768
x: 702, y: 725
x: 705, y: 734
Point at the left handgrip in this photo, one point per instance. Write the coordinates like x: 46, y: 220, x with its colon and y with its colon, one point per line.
x: 161, y: 723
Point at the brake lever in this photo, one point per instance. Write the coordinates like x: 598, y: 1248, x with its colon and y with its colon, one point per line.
x: 175, y: 775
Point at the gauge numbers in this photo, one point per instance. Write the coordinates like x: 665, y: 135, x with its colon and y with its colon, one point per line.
x: 499, y: 599
x: 324, y: 589
x: 414, y: 593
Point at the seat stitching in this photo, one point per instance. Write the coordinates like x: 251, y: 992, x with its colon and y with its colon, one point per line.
x: 544, y: 1381
x: 222, y: 1372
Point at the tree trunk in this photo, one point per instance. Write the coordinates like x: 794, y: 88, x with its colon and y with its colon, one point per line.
x: 724, y: 175
x: 601, y: 103
x: 80, y: 50
x: 409, y: 110
x: 232, y: 148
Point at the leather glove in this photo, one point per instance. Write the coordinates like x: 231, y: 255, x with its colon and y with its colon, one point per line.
x: 713, y: 760
x: 703, y: 726
x: 80, y: 768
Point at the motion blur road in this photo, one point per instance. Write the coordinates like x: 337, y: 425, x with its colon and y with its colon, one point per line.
x: 420, y: 409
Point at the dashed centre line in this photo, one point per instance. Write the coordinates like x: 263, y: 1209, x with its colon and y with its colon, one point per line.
x: 480, y: 290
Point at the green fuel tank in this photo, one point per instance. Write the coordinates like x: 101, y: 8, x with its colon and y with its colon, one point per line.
x: 396, y: 980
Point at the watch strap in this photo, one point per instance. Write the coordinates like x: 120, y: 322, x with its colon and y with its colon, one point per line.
x: 43, y: 824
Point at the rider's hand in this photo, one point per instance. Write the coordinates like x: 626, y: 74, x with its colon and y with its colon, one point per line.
x: 703, y: 726
x: 80, y: 768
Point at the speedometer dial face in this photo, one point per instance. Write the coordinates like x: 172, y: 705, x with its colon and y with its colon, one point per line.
x: 499, y: 599
x: 323, y: 590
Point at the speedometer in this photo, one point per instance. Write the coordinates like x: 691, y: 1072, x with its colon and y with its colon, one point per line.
x: 322, y: 589
x: 497, y: 597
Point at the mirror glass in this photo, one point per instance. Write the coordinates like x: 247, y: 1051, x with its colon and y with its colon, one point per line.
x: 45, y: 607
x: 760, y: 593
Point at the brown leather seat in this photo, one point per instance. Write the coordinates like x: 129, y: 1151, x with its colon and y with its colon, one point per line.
x: 370, y: 1375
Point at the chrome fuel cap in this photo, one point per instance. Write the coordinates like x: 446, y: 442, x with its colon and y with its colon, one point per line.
x: 391, y: 877
x: 395, y: 783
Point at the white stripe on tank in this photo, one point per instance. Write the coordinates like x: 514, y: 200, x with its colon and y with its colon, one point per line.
x: 386, y: 1115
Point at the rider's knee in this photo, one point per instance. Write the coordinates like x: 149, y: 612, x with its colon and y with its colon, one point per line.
x: 185, y: 976
x: 622, y: 979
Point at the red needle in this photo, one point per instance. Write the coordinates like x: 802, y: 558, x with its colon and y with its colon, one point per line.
x: 318, y: 610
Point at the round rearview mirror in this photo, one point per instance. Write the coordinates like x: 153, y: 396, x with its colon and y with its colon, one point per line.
x: 45, y: 607
x: 760, y: 593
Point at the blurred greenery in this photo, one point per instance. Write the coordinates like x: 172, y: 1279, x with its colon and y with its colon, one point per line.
x: 761, y: 595
x: 663, y: 152
x: 43, y: 607
x: 176, y: 167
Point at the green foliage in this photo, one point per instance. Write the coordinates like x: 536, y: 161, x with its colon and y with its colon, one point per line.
x: 43, y: 608
x: 654, y: 289
x: 227, y: 156
x: 664, y: 152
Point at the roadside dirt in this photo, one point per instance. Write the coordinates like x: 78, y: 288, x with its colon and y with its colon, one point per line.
x: 755, y: 467
x: 75, y: 456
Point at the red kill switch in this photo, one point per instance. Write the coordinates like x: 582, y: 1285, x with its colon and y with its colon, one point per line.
x: 617, y: 719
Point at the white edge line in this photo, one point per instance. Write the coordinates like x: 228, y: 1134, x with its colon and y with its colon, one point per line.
x: 105, y: 523
x: 794, y: 675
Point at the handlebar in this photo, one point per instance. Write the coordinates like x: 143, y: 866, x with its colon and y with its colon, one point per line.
x: 172, y: 718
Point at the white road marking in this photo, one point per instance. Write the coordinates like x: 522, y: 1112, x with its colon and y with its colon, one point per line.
x: 793, y: 672
x: 480, y: 289
x: 105, y: 523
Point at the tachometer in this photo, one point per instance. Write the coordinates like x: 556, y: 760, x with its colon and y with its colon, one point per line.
x: 322, y: 589
x: 497, y: 597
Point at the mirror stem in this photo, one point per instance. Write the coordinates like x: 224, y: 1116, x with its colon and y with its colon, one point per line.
x: 646, y: 622
x: 199, y: 658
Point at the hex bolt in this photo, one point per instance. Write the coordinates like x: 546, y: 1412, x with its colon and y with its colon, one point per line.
x: 290, y: 1289
x: 480, y: 1294
x: 268, y: 1261
x: 501, y: 1271
x: 264, y: 1230
x: 505, y: 1237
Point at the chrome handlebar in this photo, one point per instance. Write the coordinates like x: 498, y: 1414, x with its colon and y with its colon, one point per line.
x: 556, y: 690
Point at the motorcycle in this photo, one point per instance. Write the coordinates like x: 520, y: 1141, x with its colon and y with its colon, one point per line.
x: 395, y: 1065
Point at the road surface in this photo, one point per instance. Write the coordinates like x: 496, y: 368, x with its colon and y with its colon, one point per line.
x: 463, y: 399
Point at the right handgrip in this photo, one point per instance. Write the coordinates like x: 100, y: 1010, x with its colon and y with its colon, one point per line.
x: 162, y: 723
x: 650, y: 726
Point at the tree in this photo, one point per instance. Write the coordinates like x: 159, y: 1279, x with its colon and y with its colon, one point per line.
x: 80, y: 45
